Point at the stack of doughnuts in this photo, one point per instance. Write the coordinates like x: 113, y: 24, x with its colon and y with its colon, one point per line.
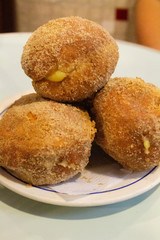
x: 46, y: 138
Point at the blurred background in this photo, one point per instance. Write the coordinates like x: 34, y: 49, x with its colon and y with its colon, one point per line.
x: 135, y: 21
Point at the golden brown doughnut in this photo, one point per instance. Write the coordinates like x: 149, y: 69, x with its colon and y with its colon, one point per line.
x: 44, y: 142
x: 76, y: 48
x: 127, y: 115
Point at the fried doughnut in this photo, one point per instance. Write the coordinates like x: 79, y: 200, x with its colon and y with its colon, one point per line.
x: 69, y: 59
x: 127, y: 115
x: 44, y: 142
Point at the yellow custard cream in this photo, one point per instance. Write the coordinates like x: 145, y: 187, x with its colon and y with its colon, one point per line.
x: 146, y: 144
x: 57, y: 76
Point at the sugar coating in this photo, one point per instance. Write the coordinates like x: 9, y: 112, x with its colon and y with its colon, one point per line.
x: 127, y: 115
x: 76, y: 46
x: 44, y: 142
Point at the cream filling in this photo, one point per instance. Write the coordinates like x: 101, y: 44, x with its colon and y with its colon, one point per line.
x: 57, y: 76
x: 146, y: 144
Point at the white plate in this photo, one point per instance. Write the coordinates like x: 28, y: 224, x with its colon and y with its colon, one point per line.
x: 102, y: 182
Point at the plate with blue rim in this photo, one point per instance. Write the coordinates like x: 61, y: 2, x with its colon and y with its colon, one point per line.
x: 102, y: 182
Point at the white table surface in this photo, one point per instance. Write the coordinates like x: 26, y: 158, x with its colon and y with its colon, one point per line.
x: 23, y: 218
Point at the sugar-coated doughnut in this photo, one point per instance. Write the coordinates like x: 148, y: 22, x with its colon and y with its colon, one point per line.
x: 69, y: 58
x: 127, y: 115
x: 44, y: 142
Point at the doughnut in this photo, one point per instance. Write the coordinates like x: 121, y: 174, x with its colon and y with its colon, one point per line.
x: 127, y: 116
x: 44, y: 142
x: 69, y: 59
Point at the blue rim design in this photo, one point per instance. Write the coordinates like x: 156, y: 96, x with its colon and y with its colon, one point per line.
x: 91, y: 193
x: 110, y: 190
x: 3, y: 111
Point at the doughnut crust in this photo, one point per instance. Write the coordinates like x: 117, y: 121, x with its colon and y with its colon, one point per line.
x: 44, y: 142
x: 127, y: 115
x: 80, y: 48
